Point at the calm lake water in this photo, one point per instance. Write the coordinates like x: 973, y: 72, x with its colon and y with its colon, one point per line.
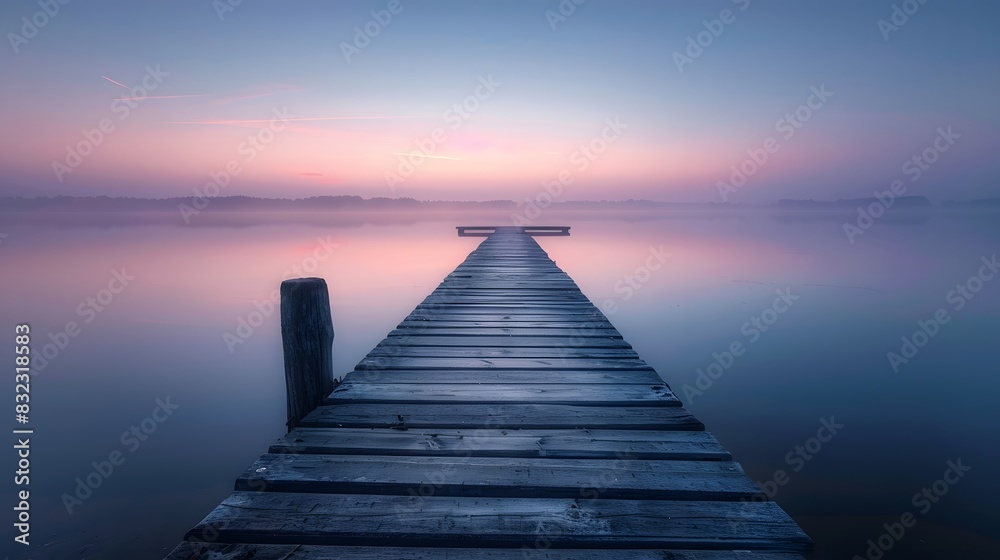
x: 161, y: 339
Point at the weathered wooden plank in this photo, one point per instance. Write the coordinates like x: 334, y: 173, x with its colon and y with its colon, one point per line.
x: 529, y: 230
x: 480, y: 258
x: 547, y: 310
x: 504, y: 342
x: 473, y: 279
x: 540, y: 272
x: 543, y: 272
x: 364, y: 520
x: 540, y: 268
x: 571, y: 377
x: 553, y: 363
x: 487, y: 256
x: 489, y: 250
x: 509, y: 300
x: 509, y: 265
x: 567, y: 351
x: 565, y: 444
x: 538, y: 264
x: 500, y: 261
x: 243, y: 551
x: 502, y: 297
x: 485, y: 322
x: 500, y: 264
x: 509, y: 284
x: 445, y: 293
x: 524, y: 416
x: 437, y: 330
x: 522, y: 281
x: 449, y: 295
x: 578, y: 323
x: 555, y: 319
x: 506, y: 477
x: 489, y: 393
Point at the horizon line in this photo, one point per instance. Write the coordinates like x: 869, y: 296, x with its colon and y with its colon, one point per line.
x: 493, y: 201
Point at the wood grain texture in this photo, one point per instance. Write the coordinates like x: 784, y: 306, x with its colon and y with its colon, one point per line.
x: 526, y: 443
x: 515, y: 376
x: 421, y: 351
x: 307, y: 337
x: 430, y: 328
x: 523, y: 416
x: 507, y: 477
x: 375, y: 520
x: 474, y: 343
x: 243, y: 551
x: 483, y: 394
x: 553, y: 363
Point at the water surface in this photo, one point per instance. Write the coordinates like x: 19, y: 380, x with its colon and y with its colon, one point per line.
x: 164, y: 336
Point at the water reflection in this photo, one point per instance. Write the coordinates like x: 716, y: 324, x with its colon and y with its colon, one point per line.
x: 164, y: 336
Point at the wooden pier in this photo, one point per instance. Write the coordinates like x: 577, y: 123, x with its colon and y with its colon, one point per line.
x: 505, y: 418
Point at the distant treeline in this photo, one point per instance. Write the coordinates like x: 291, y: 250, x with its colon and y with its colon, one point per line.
x: 357, y: 203
x: 316, y: 203
x: 233, y: 203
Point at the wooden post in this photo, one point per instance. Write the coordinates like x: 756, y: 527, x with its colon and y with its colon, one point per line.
x: 307, y: 337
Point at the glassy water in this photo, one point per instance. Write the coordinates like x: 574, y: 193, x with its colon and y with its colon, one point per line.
x: 174, y: 334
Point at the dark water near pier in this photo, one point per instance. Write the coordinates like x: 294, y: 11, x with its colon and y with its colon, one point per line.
x: 163, y: 338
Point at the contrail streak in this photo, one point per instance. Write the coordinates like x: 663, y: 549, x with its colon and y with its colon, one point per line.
x: 114, y: 82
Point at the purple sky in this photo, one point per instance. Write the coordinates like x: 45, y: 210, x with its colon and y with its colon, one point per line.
x: 487, y: 100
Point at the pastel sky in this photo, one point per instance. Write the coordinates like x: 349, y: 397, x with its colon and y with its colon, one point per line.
x: 688, y: 114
